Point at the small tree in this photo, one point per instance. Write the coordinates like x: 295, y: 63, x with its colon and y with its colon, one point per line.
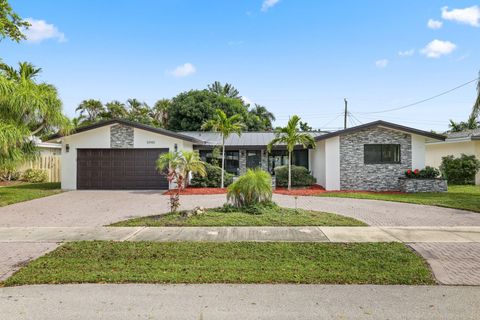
x: 192, y: 164
x: 179, y: 165
x: 291, y: 136
x: 461, y: 170
x: 253, y: 188
x: 226, y: 126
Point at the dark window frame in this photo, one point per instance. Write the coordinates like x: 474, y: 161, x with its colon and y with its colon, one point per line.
x: 382, y: 146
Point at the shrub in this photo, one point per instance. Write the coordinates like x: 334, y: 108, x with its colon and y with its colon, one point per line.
x: 301, y: 177
x: 34, y: 175
x: 427, y: 173
x: 253, y: 188
x: 8, y: 172
x: 461, y: 170
x: 212, y: 179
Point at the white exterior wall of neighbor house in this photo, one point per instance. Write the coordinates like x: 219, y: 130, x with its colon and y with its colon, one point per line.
x: 332, y: 163
x: 435, y: 152
x: 418, y: 152
x: 99, y: 138
x: 317, y: 162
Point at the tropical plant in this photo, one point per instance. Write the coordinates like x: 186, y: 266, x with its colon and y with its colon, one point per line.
x: 34, y: 175
x: 252, y: 188
x: 11, y: 24
x: 266, y: 117
x: 226, y: 90
x: 426, y: 173
x: 301, y: 177
x: 115, y: 110
x: 28, y: 109
x: 461, y: 170
x: 473, y: 120
x: 138, y: 111
x: 212, y: 179
x: 193, y: 164
x: 179, y: 165
x: 291, y: 137
x: 226, y: 126
x: 159, y: 113
x: 90, y: 111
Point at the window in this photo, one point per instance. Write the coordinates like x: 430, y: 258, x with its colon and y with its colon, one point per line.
x: 254, y: 159
x: 381, y: 153
x: 278, y: 158
x: 207, y: 156
x: 232, y: 162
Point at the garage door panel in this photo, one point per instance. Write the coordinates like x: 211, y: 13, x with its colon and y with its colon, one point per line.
x: 119, y: 169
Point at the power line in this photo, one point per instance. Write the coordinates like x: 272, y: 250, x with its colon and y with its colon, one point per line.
x: 423, y: 100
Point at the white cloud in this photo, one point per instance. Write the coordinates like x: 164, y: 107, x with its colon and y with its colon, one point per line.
x: 267, y: 4
x: 434, y: 24
x: 40, y: 30
x: 184, y: 70
x: 406, y: 53
x: 438, y: 48
x: 381, y: 63
x: 470, y: 15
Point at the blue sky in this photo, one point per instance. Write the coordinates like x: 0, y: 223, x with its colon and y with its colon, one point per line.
x: 292, y: 56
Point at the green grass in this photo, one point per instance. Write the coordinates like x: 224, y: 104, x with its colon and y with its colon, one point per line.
x: 270, y: 217
x: 458, y: 197
x: 27, y: 191
x: 234, y: 262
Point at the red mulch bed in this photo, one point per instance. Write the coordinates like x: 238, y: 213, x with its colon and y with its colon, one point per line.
x: 308, y: 191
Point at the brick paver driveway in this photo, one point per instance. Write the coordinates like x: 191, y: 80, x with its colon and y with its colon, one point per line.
x: 97, y: 208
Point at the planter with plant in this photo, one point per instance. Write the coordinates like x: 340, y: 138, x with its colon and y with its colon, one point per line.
x: 424, y: 180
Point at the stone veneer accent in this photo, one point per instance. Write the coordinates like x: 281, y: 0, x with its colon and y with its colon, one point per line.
x: 121, y: 136
x: 423, y: 185
x: 356, y: 175
x: 243, y: 160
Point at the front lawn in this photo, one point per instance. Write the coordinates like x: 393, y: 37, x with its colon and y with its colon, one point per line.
x: 458, y: 197
x: 234, y: 262
x: 275, y: 216
x: 27, y: 191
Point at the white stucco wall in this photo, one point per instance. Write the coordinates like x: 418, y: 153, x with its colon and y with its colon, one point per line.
x: 435, y: 152
x: 99, y: 138
x: 332, y: 163
x: 418, y: 152
x: 317, y: 162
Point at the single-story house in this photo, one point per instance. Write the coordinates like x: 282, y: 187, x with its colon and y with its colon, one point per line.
x: 456, y: 143
x: 119, y: 154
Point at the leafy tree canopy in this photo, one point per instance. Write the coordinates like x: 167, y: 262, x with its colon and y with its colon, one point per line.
x: 11, y: 24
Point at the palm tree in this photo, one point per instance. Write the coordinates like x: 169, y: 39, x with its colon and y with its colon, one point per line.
x: 90, y: 110
x: 226, y: 90
x: 138, y: 111
x: 226, y: 126
x: 476, y: 106
x: 159, y: 112
x: 115, y: 110
x: 192, y: 164
x: 473, y: 120
x: 27, y: 109
x: 291, y: 136
x: 264, y: 115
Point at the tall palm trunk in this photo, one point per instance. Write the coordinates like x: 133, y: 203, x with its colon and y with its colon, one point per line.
x: 289, y: 170
x: 223, y: 159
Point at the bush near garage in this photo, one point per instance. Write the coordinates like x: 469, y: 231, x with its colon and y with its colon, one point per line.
x: 34, y: 176
x: 461, y: 170
x: 301, y: 177
x: 212, y: 179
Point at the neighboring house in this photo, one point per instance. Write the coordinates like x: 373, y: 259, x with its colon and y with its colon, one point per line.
x: 467, y: 142
x: 118, y: 154
x: 49, y: 149
x: 47, y: 160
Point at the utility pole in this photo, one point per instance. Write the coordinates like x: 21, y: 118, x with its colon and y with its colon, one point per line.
x: 346, y: 114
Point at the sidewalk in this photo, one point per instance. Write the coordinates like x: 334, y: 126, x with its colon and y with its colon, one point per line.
x: 226, y: 234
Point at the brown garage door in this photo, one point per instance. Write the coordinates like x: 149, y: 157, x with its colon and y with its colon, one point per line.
x: 128, y: 169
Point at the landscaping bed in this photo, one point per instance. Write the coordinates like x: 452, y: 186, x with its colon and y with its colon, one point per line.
x: 457, y: 197
x: 27, y: 191
x: 274, y: 216
x: 235, y: 262
x: 197, y: 191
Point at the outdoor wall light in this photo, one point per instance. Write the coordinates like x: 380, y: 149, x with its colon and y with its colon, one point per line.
x: 67, y: 148
x: 175, y: 147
